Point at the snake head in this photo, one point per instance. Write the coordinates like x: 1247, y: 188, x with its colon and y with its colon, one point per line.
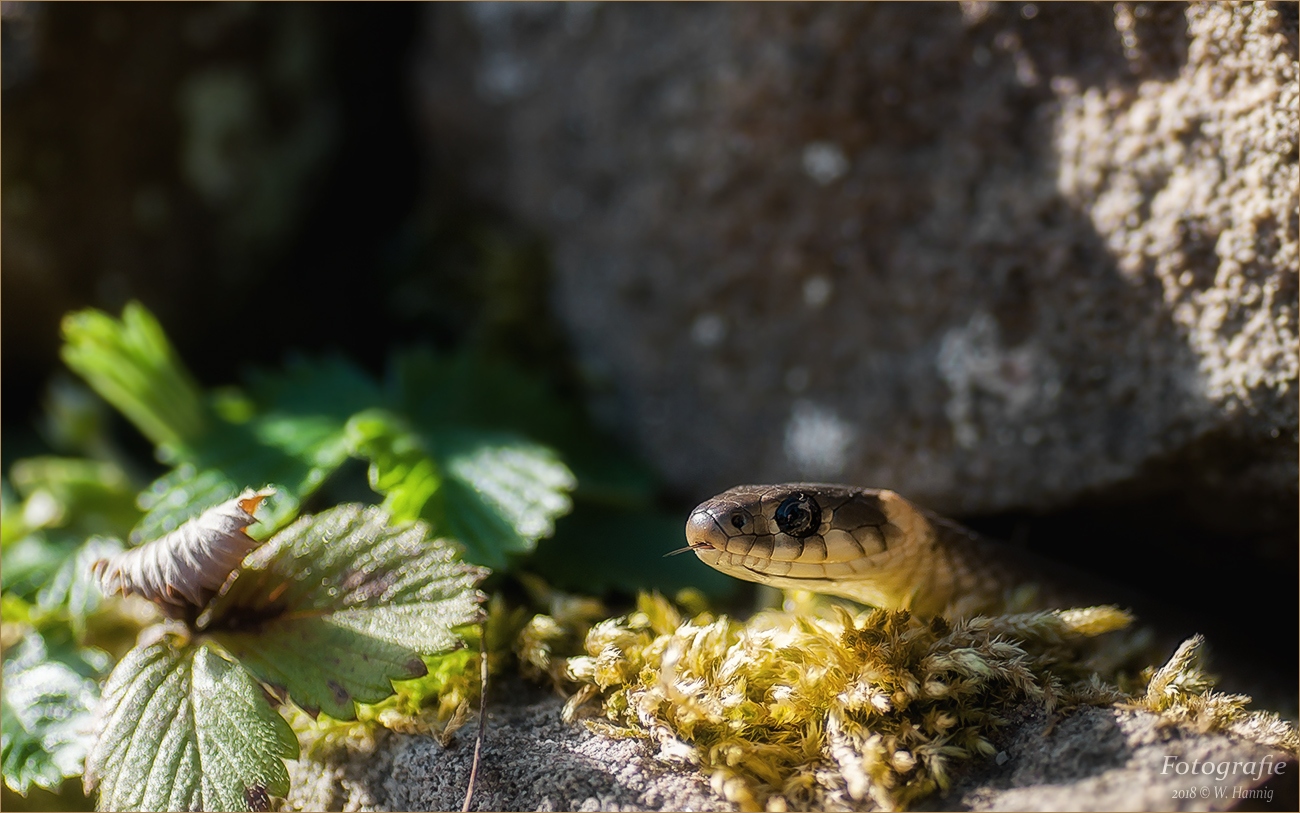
x: 812, y: 536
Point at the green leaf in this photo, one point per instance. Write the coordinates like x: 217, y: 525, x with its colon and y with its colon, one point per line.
x: 336, y: 606
x: 15, y: 609
x: 66, y: 501
x: 183, y: 728
x: 85, y: 496
x: 130, y: 363
x: 293, y: 440
x: 329, y: 388
x: 44, y: 712
x: 12, y: 526
x: 501, y: 494
x: 465, y: 391
x: 496, y: 493
x: 74, y: 419
x: 26, y: 565
x: 401, y: 467
x: 304, y: 411
x: 73, y: 587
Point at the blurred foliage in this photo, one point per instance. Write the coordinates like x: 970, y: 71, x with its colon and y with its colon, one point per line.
x: 489, y: 455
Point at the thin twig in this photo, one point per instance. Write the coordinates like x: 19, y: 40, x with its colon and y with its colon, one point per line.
x: 482, y: 716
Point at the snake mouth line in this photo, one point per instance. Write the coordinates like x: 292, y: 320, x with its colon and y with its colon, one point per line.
x: 792, y: 578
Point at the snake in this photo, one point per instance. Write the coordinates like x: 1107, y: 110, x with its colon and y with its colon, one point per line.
x: 875, y: 547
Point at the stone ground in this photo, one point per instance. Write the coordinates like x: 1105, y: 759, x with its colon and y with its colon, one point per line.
x: 1095, y: 759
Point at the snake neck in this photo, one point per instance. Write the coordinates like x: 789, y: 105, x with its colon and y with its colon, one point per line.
x: 974, y: 575
x: 987, y: 576
x: 941, y: 569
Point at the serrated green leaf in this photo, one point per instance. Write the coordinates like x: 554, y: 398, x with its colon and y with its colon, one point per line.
x: 183, y: 728
x: 336, y: 606
x: 304, y: 409
x: 44, y: 717
x: 496, y: 493
x: 464, y: 391
x: 500, y: 494
x: 293, y: 444
x: 401, y: 467
x: 328, y: 387
x: 130, y: 364
x: 72, y: 588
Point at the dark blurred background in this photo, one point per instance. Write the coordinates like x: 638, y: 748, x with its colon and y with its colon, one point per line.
x: 1006, y: 259
x: 253, y: 175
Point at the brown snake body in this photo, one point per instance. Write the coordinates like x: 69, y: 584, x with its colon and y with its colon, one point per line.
x: 872, y: 546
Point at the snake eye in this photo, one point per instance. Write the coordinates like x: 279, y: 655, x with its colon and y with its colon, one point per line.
x: 738, y: 521
x: 799, y: 515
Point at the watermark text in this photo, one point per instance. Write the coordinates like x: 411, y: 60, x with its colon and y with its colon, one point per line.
x: 1255, y: 769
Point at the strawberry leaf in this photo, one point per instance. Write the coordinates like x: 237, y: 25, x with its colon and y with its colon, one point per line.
x: 501, y: 494
x: 494, y: 492
x: 130, y: 364
x: 439, y: 393
x: 401, y: 466
x: 183, y: 728
x: 43, y: 713
x: 336, y: 606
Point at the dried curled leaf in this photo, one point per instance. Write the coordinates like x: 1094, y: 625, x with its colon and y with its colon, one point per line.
x: 186, y: 567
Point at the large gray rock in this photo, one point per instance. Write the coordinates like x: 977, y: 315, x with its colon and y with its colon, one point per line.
x: 993, y: 256
x: 1094, y: 759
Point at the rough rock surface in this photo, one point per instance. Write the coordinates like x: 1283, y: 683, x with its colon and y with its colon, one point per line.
x: 531, y: 760
x: 1095, y: 759
x: 991, y: 255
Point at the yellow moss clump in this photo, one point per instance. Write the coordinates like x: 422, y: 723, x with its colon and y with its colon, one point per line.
x: 1182, y: 694
x: 795, y: 710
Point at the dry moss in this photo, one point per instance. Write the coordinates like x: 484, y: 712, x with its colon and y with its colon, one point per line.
x: 1182, y: 694
x: 822, y: 706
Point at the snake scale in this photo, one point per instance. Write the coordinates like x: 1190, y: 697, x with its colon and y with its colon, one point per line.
x: 875, y: 547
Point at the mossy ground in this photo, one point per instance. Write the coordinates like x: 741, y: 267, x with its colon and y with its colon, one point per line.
x: 817, y: 704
